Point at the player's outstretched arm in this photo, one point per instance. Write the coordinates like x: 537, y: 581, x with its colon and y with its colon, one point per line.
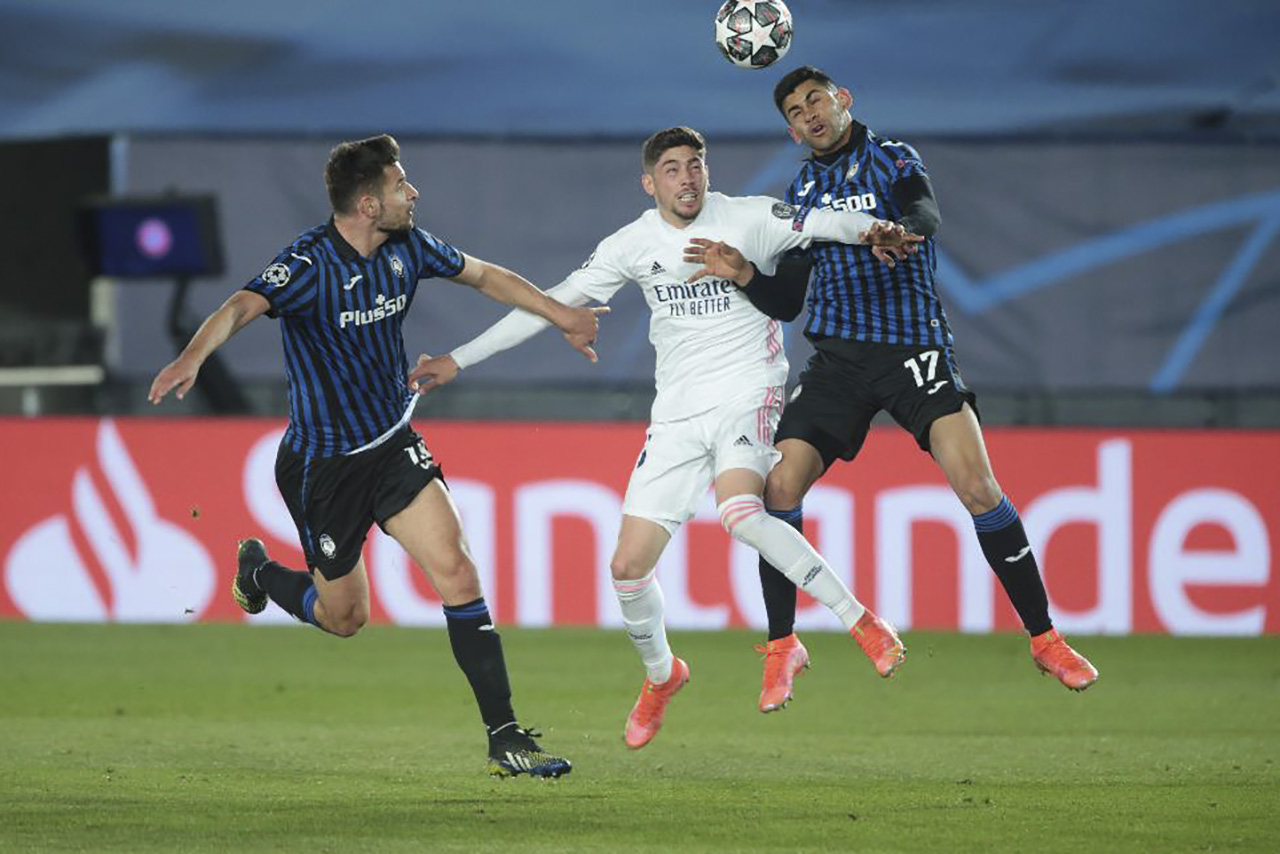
x: 180, y: 374
x: 779, y: 296
x: 889, y: 241
x: 914, y: 197
x: 578, y: 323
x: 516, y: 328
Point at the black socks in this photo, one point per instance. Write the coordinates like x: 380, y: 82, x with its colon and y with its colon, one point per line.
x: 478, y: 651
x: 780, y: 591
x: 1004, y: 544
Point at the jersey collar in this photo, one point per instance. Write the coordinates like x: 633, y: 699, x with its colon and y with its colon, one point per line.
x: 346, y: 251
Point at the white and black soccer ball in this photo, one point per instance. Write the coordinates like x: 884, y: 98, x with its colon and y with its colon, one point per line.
x: 753, y: 33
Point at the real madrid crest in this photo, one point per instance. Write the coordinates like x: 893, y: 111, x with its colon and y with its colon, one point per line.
x: 396, y: 266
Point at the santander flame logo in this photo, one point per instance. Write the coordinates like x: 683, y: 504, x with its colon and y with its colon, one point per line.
x: 90, y: 565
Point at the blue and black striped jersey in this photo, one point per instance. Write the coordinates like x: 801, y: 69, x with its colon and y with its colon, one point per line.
x: 340, y: 321
x: 852, y: 295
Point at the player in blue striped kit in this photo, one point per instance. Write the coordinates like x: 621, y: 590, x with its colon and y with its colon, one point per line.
x: 882, y: 342
x: 349, y: 457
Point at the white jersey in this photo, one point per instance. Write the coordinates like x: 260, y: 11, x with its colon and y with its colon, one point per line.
x: 712, y: 343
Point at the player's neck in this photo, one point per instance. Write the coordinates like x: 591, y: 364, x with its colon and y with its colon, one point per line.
x: 675, y: 221
x: 364, y: 238
x: 840, y: 143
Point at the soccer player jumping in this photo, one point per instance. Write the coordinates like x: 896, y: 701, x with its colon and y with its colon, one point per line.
x: 882, y: 342
x: 349, y: 457
x: 720, y: 375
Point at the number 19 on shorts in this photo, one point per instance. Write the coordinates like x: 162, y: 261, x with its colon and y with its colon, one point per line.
x: 420, y: 455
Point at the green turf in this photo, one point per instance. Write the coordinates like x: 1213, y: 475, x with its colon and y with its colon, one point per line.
x: 234, y: 739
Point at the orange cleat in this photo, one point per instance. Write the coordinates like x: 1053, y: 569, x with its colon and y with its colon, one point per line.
x: 784, y: 659
x: 1053, y: 656
x: 646, y: 716
x: 880, y: 642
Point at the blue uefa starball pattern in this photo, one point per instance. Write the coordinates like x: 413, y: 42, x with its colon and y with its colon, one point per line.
x: 753, y: 33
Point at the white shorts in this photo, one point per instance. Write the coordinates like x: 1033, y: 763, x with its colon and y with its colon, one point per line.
x: 681, y: 458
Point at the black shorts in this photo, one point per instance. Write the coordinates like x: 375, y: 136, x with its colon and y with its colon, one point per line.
x: 845, y: 384
x: 335, y: 500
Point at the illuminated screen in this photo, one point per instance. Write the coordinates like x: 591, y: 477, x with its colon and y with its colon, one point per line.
x: 145, y: 238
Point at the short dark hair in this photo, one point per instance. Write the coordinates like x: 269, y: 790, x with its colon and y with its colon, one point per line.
x: 792, y: 80
x: 664, y: 140
x: 357, y: 167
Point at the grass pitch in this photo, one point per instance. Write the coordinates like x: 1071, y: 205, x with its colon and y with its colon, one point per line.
x: 225, y: 738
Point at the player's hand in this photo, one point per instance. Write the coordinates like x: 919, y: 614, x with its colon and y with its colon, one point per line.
x: 718, y: 259
x: 179, y: 374
x: 431, y: 373
x: 582, y: 327
x: 890, y: 242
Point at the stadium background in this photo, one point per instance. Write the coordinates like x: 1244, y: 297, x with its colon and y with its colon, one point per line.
x: 1109, y: 176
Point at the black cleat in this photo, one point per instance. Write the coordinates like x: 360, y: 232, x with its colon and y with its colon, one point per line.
x: 250, y: 555
x: 513, y: 751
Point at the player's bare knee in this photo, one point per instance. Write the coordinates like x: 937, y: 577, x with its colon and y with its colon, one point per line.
x: 456, y: 578
x: 628, y: 567
x: 349, y: 622
x: 980, y: 493
x: 622, y: 568
x: 456, y: 568
x: 782, y: 492
x: 344, y: 629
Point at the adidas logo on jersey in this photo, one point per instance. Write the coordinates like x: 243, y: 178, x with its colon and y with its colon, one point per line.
x: 656, y: 269
x: 742, y: 440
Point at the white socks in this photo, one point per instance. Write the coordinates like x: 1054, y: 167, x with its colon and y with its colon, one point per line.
x: 744, y: 517
x: 641, y: 602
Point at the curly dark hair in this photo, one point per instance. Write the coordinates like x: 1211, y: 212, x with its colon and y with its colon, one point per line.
x: 654, y: 147
x: 792, y: 80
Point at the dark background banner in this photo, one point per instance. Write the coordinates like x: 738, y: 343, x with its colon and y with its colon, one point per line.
x: 1137, y: 266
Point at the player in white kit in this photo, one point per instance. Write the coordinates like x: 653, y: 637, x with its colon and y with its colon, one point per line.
x: 720, y: 376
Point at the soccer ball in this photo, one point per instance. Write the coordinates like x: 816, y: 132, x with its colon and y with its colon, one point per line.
x: 753, y: 33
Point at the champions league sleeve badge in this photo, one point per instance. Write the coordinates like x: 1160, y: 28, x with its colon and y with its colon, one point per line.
x: 277, y: 275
